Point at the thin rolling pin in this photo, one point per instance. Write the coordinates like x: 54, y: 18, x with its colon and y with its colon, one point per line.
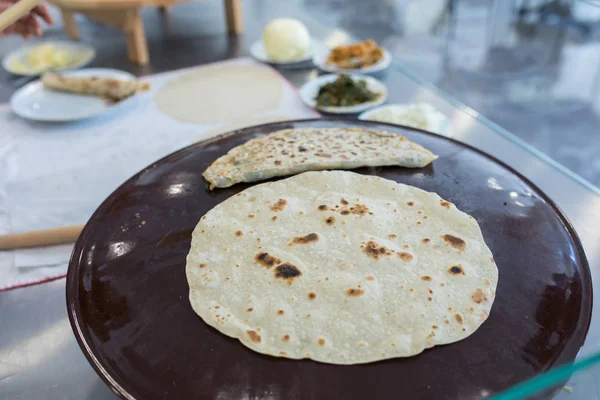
x: 65, y: 234
x: 18, y: 10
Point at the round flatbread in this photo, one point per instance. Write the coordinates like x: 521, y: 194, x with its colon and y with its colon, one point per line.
x: 221, y: 93
x: 341, y: 268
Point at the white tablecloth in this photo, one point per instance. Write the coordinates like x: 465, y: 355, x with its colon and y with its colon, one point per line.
x: 53, y: 175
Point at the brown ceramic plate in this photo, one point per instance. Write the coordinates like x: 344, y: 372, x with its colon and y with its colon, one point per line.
x: 127, y: 294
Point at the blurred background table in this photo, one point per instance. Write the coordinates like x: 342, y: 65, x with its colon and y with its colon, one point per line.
x: 39, y: 358
x: 125, y: 15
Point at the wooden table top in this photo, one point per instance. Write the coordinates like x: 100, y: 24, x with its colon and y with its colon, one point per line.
x: 112, y: 4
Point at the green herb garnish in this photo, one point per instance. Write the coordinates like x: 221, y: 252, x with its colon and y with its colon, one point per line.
x: 344, y: 91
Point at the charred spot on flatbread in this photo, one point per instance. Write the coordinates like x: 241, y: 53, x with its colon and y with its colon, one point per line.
x: 445, y: 203
x: 312, y: 295
x: 426, y: 278
x: 287, y: 272
x: 374, y: 250
x: 239, y: 233
x: 266, y: 260
x: 404, y: 256
x: 456, y: 270
x: 321, y: 342
x: 355, y: 292
x: 278, y: 206
x: 306, y: 239
x: 479, y: 296
x: 454, y: 241
x: 359, y: 209
x: 254, y: 336
x: 330, y: 221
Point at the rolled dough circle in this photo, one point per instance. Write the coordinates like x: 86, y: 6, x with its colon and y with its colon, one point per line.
x: 218, y: 94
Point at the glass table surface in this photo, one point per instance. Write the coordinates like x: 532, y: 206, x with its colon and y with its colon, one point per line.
x: 39, y: 357
x: 532, y: 67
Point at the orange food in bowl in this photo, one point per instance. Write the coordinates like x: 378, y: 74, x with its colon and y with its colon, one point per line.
x: 356, y: 55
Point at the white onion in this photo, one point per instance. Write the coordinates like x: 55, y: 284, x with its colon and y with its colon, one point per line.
x: 422, y: 116
x: 286, y: 40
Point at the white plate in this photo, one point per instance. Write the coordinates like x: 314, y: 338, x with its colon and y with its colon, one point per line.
x: 321, y: 57
x: 34, y: 102
x: 84, y: 53
x: 257, y: 50
x: 436, y: 121
x: 309, y: 91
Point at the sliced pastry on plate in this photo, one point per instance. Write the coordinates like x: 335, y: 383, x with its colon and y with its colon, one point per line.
x: 114, y: 89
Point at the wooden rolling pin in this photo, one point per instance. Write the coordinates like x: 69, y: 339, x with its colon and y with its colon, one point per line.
x: 46, y: 237
x: 16, y: 11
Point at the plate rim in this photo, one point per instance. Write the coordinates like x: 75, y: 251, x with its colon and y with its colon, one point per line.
x: 74, y: 267
x: 92, y: 55
x: 257, y: 43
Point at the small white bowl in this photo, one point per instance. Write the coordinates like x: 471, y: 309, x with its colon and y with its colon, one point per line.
x: 320, y: 60
x: 309, y: 91
x: 436, y: 121
x: 85, y: 54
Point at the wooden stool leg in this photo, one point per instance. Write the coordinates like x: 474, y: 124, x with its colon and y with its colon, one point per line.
x: 233, y: 13
x: 71, y: 28
x: 137, y: 47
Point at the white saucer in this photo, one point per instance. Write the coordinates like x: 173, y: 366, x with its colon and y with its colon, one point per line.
x: 34, y: 102
x: 309, y: 91
x: 85, y: 54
